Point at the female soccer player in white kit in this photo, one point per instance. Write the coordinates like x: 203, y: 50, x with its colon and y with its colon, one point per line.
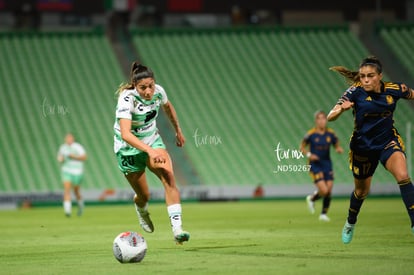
x: 137, y: 145
x: 72, y: 156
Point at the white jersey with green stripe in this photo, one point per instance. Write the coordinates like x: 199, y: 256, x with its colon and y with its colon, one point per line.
x: 142, y: 113
x: 69, y: 165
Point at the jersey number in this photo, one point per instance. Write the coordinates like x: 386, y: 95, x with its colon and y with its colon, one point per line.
x: 127, y: 160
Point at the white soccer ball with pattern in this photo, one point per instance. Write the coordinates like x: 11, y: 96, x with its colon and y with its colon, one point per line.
x: 129, y: 247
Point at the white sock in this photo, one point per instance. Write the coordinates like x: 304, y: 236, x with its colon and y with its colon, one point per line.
x: 174, y: 212
x: 67, y: 207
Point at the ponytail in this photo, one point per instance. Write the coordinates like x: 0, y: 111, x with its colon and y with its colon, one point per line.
x: 351, y: 77
x: 138, y: 72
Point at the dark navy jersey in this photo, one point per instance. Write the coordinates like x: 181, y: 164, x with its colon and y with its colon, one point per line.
x: 319, y: 144
x: 373, y: 115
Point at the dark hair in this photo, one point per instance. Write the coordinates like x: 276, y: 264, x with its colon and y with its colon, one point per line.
x: 352, y: 77
x: 138, y: 72
x: 371, y: 61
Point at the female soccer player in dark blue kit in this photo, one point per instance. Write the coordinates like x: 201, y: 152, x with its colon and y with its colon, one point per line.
x: 319, y: 139
x: 374, y: 139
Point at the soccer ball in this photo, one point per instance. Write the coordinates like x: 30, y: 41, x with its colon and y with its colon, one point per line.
x: 129, y: 247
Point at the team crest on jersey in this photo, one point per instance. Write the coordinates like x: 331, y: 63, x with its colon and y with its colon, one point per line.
x: 368, y: 98
x: 390, y: 99
x: 328, y: 139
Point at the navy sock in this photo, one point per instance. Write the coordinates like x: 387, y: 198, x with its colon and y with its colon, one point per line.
x: 326, y: 204
x: 407, y: 194
x: 355, y: 204
x: 315, y: 196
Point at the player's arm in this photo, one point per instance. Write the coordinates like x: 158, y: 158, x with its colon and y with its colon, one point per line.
x: 408, y: 93
x: 343, y: 105
x: 411, y: 91
x: 303, y: 148
x: 172, y: 116
x: 60, y: 157
x: 338, y: 147
x: 81, y: 157
x: 131, y: 139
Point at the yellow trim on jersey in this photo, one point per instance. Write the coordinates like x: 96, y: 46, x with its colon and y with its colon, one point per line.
x: 314, y: 130
x: 399, y: 138
x: 390, y: 85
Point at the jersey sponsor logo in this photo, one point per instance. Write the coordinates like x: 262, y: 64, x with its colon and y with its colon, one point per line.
x: 123, y: 110
x: 144, y: 128
x: 143, y: 107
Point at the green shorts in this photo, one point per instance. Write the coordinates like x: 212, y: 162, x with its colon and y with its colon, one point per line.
x: 74, y: 179
x: 133, y: 160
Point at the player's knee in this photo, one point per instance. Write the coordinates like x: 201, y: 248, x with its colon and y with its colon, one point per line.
x: 144, y: 196
x: 167, y: 174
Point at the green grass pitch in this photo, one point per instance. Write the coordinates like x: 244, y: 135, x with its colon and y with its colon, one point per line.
x: 246, y: 237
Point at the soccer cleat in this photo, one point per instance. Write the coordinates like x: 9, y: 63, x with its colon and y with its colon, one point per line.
x: 311, y: 204
x: 181, y: 236
x: 324, y: 218
x: 347, y: 232
x: 144, y: 220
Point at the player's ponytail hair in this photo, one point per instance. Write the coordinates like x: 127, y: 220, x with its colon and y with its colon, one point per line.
x: 138, y: 72
x: 352, y: 77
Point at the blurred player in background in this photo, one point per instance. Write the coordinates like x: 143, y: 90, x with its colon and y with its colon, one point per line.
x: 316, y: 146
x: 374, y: 139
x: 137, y: 145
x: 72, y: 155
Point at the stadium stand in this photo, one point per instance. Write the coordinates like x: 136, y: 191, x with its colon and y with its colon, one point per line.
x: 53, y: 83
x: 254, y: 89
x: 399, y: 38
x: 240, y: 94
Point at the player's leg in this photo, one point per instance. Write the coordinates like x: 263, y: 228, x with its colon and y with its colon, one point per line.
x: 164, y: 172
x: 361, y: 191
x: 139, y: 184
x: 67, y: 202
x: 397, y: 166
x: 317, y: 177
x: 77, y: 180
x: 79, y: 199
x: 327, y: 190
x: 363, y: 166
